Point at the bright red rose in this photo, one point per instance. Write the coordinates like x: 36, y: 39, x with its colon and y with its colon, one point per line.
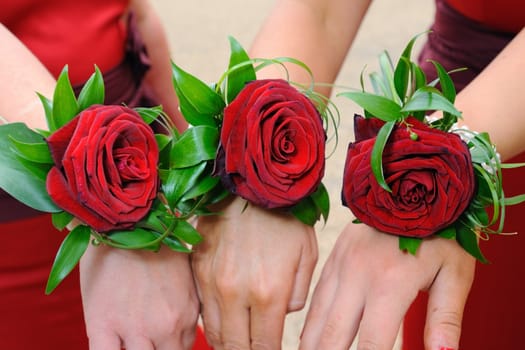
x: 105, y: 171
x: 431, y: 178
x: 272, y: 145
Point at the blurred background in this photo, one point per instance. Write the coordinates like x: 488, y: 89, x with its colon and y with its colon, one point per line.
x: 198, y: 33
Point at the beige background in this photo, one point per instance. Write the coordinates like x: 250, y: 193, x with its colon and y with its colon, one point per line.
x: 198, y: 31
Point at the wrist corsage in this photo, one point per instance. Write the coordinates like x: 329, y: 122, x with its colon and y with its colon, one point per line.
x: 412, y: 176
x: 269, y: 136
x: 103, y: 172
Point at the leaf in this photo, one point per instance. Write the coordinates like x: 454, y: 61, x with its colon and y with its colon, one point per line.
x: 447, y: 85
x: 409, y: 244
x: 198, y: 102
x: 321, y: 199
x: 37, y: 152
x: 174, y: 244
x: 93, y: 91
x: 376, y: 159
x: 448, y: 233
x: 138, y: 238
x: 65, y: 106
x: 515, y: 200
x: 387, y: 70
x: 61, y: 219
x: 195, y: 145
x: 69, y: 253
x: 238, y: 78
x: 469, y: 241
x: 149, y: 114
x: 187, y: 233
x: 180, y: 181
x: 48, y: 110
x: 162, y: 141
x: 203, y: 186
x: 379, y: 106
x: 15, y: 179
x: 401, y: 76
x: 38, y: 170
x: 429, y: 99
x: 306, y: 211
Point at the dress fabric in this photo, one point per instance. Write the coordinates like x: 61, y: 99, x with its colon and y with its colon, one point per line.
x: 96, y: 32
x: 493, y: 317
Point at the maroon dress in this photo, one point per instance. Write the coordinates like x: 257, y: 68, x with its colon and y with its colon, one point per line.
x: 80, y: 34
x: 493, y: 317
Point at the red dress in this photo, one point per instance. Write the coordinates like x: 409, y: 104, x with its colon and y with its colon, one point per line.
x: 80, y: 34
x: 469, y: 33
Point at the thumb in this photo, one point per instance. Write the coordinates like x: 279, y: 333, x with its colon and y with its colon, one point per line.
x: 447, y: 298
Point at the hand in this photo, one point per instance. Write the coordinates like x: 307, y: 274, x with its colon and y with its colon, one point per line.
x: 369, y: 283
x: 138, y: 299
x: 252, y: 268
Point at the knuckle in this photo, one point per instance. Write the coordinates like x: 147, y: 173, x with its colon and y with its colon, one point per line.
x: 261, y: 345
x: 213, y: 336
x: 234, y: 345
x: 367, y: 344
x: 227, y: 287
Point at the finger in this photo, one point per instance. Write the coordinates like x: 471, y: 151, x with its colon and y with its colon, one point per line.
x: 342, y: 320
x: 382, y: 318
x: 181, y: 340
x: 211, y: 320
x: 303, y: 276
x: 137, y: 343
x: 104, y: 341
x: 322, y: 300
x: 267, y: 324
x: 447, y: 298
x: 235, y: 323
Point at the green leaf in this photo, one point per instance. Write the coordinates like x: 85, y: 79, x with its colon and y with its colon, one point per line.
x: 387, y: 71
x: 37, y: 152
x: 187, y: 233
x: 69, y: 253
x: 379, y: 106
x: 180, y: 181
x: 469, y: 241
x: 515, y: 200
x: 409, y: 244
x: 238, y: 78
x: 149, y: 114
x: 15, y: 178
x: 174, y: 244
x: 201, y: 187
x: 195, y: 145
x: 136, y: 238
x: 376, y: 160
x: 93, y: 91
x: 48, y: 109
x: 401, y: 76
x: 38, y: 170
x: 420, y: 79
x: 306, y: 211
x: 448, y: 233
x: 321, y: 199
x: 61, y: 220
x: 429, y: 99
x: 162, y: 141
x: 198, y: 102
x: 65, y: 106
x: 447, y: 85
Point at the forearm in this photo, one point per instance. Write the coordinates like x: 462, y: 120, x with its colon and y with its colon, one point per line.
x: 494, y: 101
x: 158, y: 76
x: 22, y: 75
x: 317, y: 32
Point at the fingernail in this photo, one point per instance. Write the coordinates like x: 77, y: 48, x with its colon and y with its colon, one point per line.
x: 444, y: 348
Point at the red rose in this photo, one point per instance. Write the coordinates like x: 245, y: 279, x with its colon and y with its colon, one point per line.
x: 105, y: 171
x: 431, y: 178
x: 272, y: 145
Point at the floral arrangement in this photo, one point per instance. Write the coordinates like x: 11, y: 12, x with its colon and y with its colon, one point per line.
x: 412, y: 176
x: 102, y: 171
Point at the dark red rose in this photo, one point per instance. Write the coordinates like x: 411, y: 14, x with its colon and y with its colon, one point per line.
x: 105, y: 171
x: 431, y: 178
x: 272, y: 145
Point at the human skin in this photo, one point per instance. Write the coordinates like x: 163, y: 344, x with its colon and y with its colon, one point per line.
x: 320, y: 33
